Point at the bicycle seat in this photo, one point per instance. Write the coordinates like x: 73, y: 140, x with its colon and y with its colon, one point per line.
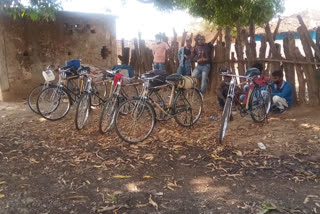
x: 251, y: 72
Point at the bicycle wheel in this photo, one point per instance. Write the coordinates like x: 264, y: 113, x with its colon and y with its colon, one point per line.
x: 83, y: 110
x: 137, y: 124
x: 188, y: 105
x: 268, y: 98
x: 225, y: 118
x: 129, y: 91
x: 257, y: 105
x: 33, y: 97
x: 53, y: 103
x: 107, y: 115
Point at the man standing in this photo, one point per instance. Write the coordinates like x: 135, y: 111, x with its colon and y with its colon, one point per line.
x: 159, y: 50
x: 202, y: 55
x: 184, y: 56
x: 282, y: 93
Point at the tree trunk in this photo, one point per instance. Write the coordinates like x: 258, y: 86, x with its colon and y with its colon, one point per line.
x: 239, y: 50
x: 310, y: 69
x: 183, y: 39
x: 289, y: 46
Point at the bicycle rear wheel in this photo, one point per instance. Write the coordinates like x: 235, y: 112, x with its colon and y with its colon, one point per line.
x: 225, y: 118
x: 190, y: 101
x: 258, y: 105
x: 53, y: 103
x: 107, y: 115
x: 137, y: 124
x: 33, y: 97
x: 83, y: 110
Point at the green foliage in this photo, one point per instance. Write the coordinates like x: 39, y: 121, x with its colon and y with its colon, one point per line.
x: 227, y: 12
x: 33, y: 9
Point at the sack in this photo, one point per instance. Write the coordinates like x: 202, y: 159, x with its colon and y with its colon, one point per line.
x: 75, y: 63
x: 188, y: 82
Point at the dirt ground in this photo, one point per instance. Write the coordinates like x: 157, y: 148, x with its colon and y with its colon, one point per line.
x: 50, y: 167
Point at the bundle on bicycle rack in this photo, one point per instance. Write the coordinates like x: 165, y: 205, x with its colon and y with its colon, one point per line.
x: 180, y: 81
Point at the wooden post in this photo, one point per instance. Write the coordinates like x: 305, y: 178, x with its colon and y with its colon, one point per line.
x: 274, y: 49
x: 239, y: 50
x: 289, y: 46
x: 262, y: 53
x: 227, y: 39
x: 308, y: 38
x: 271, y: 66
x: 300, y: 74
x: 310, y: 70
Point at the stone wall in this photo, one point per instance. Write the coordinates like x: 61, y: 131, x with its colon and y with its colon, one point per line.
x: 27, y: 48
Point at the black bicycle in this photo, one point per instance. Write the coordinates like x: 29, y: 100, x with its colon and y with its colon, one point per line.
x: 136, y: 125
x: 54, y: 102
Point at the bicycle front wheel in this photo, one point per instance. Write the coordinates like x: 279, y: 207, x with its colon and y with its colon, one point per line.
x: 225, y: 118
x: 137, y: 124
x: 53, y: 103
x: 188, y: 105
x: 107, y: 115
x: 33, y: 97
x: 258, y: 105
x: 83, y: 110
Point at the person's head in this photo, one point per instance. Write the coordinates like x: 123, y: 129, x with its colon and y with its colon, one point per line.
x: 158, y: 37
x: 201, y: 40
x: 277, y: 76
x: 227, y: 80
x: 258, y: 65
x: 188, y: 43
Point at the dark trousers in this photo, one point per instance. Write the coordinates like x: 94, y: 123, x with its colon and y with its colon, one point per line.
x: 224, y: 94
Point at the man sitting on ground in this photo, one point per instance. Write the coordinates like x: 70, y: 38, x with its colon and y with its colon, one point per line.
x: 282, y: 93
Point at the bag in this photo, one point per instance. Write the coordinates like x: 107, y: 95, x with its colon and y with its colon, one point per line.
x: 75, y: 63
x: 158, y: 81
x: 125, y: 70
x: 188, y: 82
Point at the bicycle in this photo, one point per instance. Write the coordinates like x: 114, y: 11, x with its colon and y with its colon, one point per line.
x: 120, y: 91
x: 185, y: 106
x: 54, y: 102
x: 258, y: 101
x: 49, y: 77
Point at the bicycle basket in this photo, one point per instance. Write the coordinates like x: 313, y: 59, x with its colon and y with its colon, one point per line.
x: 48, y: 75
x: 188, y: 82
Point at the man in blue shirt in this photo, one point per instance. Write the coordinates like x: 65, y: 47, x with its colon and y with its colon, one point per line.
x: 282, y: 93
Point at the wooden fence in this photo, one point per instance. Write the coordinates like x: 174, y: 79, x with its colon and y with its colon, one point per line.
x: 301, y: 69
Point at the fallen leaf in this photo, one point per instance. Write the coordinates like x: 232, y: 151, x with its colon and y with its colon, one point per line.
x: 148, y: 156
x: 153, y: 203
x: 238, y: 153
x: 32, y: 160
x: 2, y: 195
x: 3, y: 182
x: 147, y: 176
x: 122, y: 176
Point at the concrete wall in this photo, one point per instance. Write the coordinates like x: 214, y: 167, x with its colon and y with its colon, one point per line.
x: 27, y: 48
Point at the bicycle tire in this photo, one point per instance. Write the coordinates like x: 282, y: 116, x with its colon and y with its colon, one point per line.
x: 80, y: 119
x: 257, y: 105
x: 65, y: 99
x: 33, y: 97
x: 139, y: 107
x: 194, y: 101
x: 109, y: 109
x: 225, y: 118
